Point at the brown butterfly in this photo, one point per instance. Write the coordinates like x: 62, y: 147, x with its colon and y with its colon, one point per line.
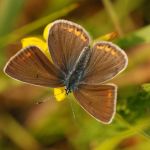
x: 82, y: 69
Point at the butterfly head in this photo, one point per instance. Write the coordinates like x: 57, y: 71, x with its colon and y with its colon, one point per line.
x: 67, y: 91
x: 70, y: 84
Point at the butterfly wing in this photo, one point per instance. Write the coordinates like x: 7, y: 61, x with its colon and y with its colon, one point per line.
x: 107, y: 60
x: 66, y: 40
x: 32, y: 66
x: 98, y: 100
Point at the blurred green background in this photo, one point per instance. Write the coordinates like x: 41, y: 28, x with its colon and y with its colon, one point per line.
x: 64, y: 125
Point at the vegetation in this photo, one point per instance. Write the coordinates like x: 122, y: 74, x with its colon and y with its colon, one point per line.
x: 64, y: 125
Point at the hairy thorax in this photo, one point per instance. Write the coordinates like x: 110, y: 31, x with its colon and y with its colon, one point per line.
x: 74, y: 77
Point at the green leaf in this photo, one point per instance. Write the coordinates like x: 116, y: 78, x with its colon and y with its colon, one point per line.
x: 9, y: 12
x: 137, y: 37
x: 146, y: 87
x: 136, y: 103
x: 111, y: 143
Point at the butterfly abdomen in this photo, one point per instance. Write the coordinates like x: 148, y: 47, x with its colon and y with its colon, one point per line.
x: 76, y: 74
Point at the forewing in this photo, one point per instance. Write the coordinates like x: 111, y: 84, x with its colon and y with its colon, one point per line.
x: 32, y: 66
x: 66, y: 40
x: 98, y: 100
x: 107, y: 60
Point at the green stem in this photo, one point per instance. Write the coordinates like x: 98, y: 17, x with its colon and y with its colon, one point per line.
x: 113, y: 16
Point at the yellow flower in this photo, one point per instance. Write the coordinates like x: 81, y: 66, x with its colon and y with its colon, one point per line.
x: 59, y: 93
x: 45, y: 33
x: 38, y: 42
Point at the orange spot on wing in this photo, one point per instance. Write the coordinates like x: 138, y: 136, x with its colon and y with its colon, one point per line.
x: 109, y: 94
x: 107, y: 49
x: 70, y: 29
x: 113, y: 53
x: 100, y: 47
x: 28, y: 54
x: 83, y: 37
x: 77, y: 33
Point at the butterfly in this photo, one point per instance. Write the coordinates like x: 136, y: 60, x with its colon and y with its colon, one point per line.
x: 76, y: 65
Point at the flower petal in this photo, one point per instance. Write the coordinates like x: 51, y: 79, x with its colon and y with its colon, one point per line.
x: 46, y: 30
x: 37, y: 42
x: 108, y: 37
x: 59, y: 93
